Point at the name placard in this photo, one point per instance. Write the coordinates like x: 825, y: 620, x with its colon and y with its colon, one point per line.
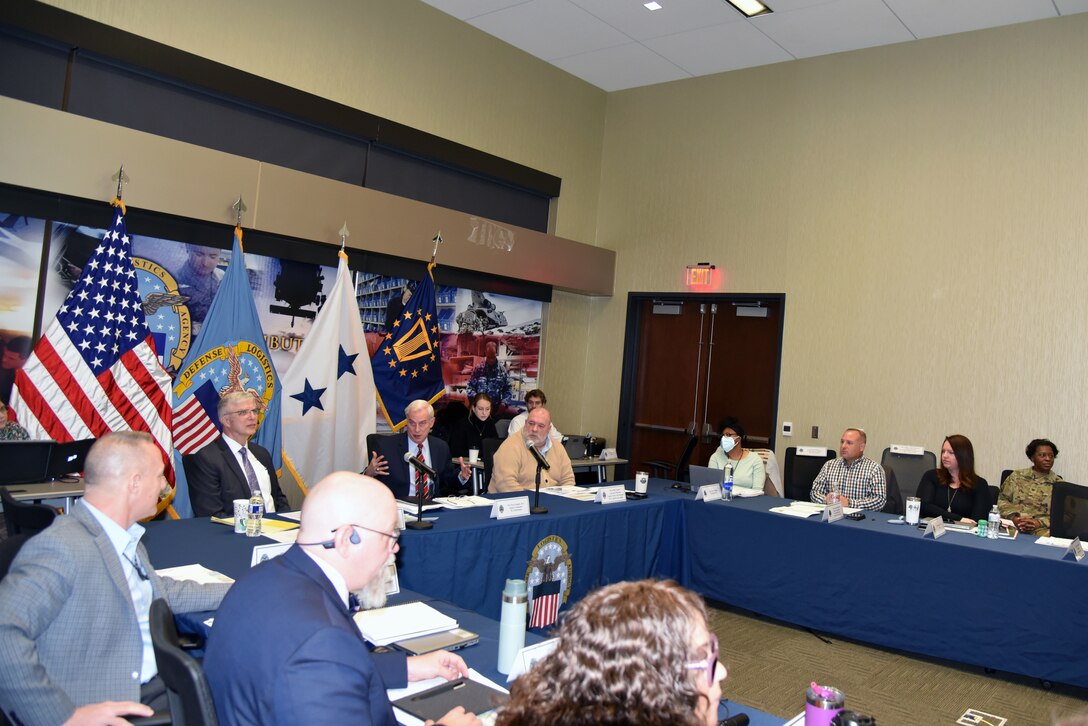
x: 611, y: 495
x: 608, y: 455
x: 832, y: 512
x: 908, y: 449
x: 267, y: 552
x: 1075, y: 551
x: 934, y: 528
x: 510, y: 508
x: 811, y: 451
x: 709, y: 492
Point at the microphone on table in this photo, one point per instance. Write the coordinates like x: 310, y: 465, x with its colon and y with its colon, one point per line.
x: 420, y: 465
x: 540, y: 460
x: 417, y: 463
x: 741, y: 719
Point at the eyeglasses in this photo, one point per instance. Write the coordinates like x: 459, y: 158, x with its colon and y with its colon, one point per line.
x: 244, y: 412
x: 395, y: 536
x: 710, y: 665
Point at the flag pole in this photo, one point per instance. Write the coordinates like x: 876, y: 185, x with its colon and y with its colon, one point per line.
x: 437, y: 241
x: 238, y: 208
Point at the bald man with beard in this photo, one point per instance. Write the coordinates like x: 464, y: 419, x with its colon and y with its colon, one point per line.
x: 284, y: 648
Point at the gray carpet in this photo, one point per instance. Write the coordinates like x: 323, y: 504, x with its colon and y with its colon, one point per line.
x: 770, y: 665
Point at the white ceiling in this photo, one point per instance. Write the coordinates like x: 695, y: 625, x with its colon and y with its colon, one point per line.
x: 617, y: 44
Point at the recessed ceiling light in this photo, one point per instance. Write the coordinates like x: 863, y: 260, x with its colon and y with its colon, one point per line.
x: 652, y: 5
x: 750, y: 8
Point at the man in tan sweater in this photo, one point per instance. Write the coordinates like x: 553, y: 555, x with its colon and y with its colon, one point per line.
x: 515, y: 466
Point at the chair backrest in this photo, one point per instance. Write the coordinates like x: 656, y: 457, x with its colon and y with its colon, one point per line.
x: 801, y: 471
x: 8, y: 549
x: 190, y: 698
x: 909, y: 468
x: 1004, y: 475
x: 23, y: 517
x: 995, y: 492
x: 683, y: 473
x: 502, y: 427
x: 1069, y: 510
x: 488, y: 447
x: 894, y: 503
x: 774, y: 474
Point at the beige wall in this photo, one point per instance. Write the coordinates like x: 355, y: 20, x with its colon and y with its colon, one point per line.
x: 923, y: 206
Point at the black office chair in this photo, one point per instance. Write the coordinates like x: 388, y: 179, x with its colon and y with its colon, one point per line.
x: 1004, y: 475
x: 23, y: 517
x: 801, y: 471
x: 190, y: 698
x: 894, y: 503
x: 908, y: 469
x: 488, y: 447
x: 8, y: 549
x: 661, y: 469
x: 994, y: 494
x: 1069, y: 511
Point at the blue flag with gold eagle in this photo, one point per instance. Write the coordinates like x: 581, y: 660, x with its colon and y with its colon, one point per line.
x: 408, y: 364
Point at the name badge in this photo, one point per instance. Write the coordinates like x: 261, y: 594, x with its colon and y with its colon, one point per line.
x: 400, y: 519
x: 611, y: 495
x: 935, y: 528
x: 832, y: 512
x: 709, y: 492
x: 392, y: 580
x: 510, y: 508
x: 267, y: 552
x: 1075, y: 550
x: 608, y: 454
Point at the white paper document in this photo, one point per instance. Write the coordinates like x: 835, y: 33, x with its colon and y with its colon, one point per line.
x: 582, y: 494
x: 293, y: 516
x: 1048, y: 541
x: 408, y: 719
x: 398, y: 622
x: 412, y: 507
x: 287, y: 537
x: 464, y: 502
x: 196, y: 573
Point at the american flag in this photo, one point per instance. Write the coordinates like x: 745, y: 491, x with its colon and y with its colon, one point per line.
x: 196, y: 420
x: 96, y: 370
x: 545, y: 604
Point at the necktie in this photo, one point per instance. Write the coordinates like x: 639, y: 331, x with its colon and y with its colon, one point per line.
x: 353, y: 603
x: 422, y: 480
x: 251, y: 476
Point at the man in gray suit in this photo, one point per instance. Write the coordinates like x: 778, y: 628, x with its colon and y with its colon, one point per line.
x: 75, y: 646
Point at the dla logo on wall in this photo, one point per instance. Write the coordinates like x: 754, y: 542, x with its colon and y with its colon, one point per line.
x: 238, y: 366
x: 166, y: 312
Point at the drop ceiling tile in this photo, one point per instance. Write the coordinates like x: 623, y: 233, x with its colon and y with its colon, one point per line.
x: 675, y: 16
x: 465, y: 9
x: 833, y: 27
x: 620, y: 67
x: 719, y: 48
x: 1068, y: 7
x: 930, y: 18
x: 550, y: 29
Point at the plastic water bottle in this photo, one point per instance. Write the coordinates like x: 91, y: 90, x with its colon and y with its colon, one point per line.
x: 255, y: 514
x: 515, y: 599
x: 727, y: 485
x: 995, y: 523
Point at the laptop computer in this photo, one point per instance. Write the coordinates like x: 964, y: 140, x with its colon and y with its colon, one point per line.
x: 701, y: 475
x: 25, y: 462
x: 68, y: 458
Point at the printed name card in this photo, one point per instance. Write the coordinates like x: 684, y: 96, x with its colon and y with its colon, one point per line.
x: 935, y: 528
x: 609, y: 454
x: 812, y: 451
x: 907, y: 449
x: 832, y: 512
x: 267, y: 552
x: 611, y: 495
x: 709, y: 492
x: 1075, y: 550
x: 510, y: 508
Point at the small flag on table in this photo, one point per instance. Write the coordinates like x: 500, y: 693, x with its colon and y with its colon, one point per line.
x: 545, y: 604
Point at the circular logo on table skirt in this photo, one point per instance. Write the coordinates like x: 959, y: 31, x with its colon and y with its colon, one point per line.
x: 550, y: 563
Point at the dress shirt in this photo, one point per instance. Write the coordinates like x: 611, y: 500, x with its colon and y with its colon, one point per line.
x: 263, y: 481
x: 125, y: 541
x: 862, y: 482
x: 413, y: 449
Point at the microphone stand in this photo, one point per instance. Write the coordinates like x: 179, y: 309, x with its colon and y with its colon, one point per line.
x: 536, y: 508
x: 419, y: 522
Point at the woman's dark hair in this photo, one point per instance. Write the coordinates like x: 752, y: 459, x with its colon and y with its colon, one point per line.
x: 1036, y: 443
x: 731, y: 423
x: 481, y: 396
x: 621, y: 659
x: 965, y: 457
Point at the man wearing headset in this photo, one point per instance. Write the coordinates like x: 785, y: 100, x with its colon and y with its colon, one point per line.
x: 284, y: 648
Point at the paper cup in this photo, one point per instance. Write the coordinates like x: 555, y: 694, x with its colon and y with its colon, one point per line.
x: 473, y: 456
x: 241, y: 512
x: 642, y: 481
x: 914, y: 509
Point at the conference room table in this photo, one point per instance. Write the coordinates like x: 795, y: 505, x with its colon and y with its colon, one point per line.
x: 41, y: 491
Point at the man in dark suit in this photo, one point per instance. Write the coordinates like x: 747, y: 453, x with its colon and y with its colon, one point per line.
x: 232, y: 466
x: 387, y: 463
x: 285, y: 650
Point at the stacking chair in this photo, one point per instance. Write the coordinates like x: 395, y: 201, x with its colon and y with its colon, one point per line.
x: 190, y: 697
x: 908, y: 468
x: 502, y: 427
x: 23, y: 517
x: 662, y: 469
x: 801, y: 471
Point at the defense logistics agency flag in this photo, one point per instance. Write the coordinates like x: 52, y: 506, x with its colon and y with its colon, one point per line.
x: 230, y: 352
x: 96, y: 370
x: 328, y: 406
x: 408, y: 365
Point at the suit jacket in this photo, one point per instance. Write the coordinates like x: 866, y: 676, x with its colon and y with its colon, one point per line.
x: 284, y: 650
x: 68, y: 629
x: 216, y: 479
x: 394, y: 447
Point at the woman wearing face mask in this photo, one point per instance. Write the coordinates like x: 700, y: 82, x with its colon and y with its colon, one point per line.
x: 748, y: 472
x: 954, y: 491
x: 469, y: 432
x: 629, y: 653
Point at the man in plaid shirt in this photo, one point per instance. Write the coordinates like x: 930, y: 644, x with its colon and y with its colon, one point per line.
x: 858, y: 480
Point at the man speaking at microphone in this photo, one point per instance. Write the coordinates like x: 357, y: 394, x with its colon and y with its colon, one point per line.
x: 389, y: 462
x: 516, y: 461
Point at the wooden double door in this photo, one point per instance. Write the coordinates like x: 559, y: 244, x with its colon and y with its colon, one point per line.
x: 689, y: 361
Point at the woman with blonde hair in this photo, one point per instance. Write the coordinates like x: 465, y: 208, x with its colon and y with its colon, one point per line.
x: 628, y: 653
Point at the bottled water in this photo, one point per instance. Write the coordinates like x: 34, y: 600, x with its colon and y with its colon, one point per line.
x: 727, y: 485
x: 255, y: 514
x: 995, y: 523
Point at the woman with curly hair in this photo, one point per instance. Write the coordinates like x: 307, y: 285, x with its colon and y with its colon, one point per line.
x: 629, y: 653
